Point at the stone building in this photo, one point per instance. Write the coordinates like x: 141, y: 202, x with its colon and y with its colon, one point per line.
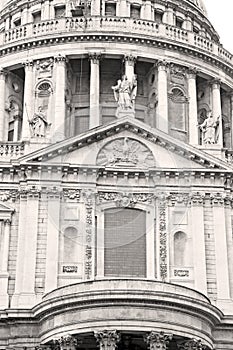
x: 116, y: 121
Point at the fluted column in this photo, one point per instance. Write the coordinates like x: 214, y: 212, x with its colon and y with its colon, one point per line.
x: 162, y: 109
x: 60, y: 105
x: 94, y: 90
x: 107, y: 340
x: 193, y: 120
x: 192, y: 344
x: 4, y: 265
x: 28, y: 99
x: 217, y: 108
x: 158, y: 341
x: 68, y: 342
x: 2, y: 103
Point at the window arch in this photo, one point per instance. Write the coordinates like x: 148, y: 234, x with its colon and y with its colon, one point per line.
x: 180, y: 247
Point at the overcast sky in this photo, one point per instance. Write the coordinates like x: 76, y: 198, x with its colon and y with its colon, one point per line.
x: 220, y: 13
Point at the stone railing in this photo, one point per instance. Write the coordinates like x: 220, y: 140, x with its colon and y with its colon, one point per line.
x: 11, y: 150
x: 113, y: 25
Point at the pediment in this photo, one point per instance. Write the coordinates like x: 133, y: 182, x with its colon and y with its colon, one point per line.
x: 125, y: 142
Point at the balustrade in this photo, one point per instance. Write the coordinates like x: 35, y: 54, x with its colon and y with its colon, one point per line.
x: 11, y: 150
x: 116, y: 25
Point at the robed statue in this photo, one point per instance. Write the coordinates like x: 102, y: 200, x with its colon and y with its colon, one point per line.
x: 39, y: 123
x: 210, y: 130
x: 125, y: 93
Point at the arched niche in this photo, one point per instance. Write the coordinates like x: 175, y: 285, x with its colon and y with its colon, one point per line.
x: 178, y: 106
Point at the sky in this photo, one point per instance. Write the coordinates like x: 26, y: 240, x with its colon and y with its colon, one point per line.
x: 220, y: 13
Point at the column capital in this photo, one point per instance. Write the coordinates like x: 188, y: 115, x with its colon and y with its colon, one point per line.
x: 130, y: 59
x: 215, y: 83
x: 3, y: 73
x: 158, y: 340
x: 60, y: 59
x: 28, y: 64
x: 162, y: 65
x: 192, y: 72
x: 192, y: 344
x: 65, y: 343
x: 94, y: 57
x: 107, y: 340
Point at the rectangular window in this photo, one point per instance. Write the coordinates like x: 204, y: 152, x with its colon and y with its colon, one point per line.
x: 36, y: 17
x: 135, y: 11
x: 110, y: 9
x: 60, y: 11
x: 125, y: 242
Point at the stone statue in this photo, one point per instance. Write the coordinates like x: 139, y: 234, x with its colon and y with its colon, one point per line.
x: 209, y: 129
x: 125, y: 93
x: 39, y: 123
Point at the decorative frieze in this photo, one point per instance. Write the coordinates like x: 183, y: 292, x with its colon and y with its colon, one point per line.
x: 158, y: 341
x: 9, y: 195
x: 125, y: 199
x: 107, y: 340
x: 45, y: 67
x: 192, y: 344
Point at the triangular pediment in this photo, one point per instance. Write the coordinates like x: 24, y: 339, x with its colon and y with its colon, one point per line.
x: 85, y: 149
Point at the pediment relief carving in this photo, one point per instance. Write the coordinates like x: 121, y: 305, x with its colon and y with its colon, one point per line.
x: 127, y: 152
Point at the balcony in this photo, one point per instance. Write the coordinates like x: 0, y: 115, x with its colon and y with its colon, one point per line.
x: 126, y: 304
x: 11, y: 150
x: 111, y: 26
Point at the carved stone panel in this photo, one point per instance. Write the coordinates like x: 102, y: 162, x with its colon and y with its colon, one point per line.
x: 125, y: 152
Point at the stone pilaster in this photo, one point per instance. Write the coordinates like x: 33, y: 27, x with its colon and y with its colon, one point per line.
x: 193, y: 120
x: 162, y: 238
x: 4, y: 275
x: 66, y: 342
x: 107, y: 340
x: 60, y: 105
x: 147, y: 11
x: 2, y: 104
x: 124, y: 9
x: 158, y: 341
x: 162, y: 109
x: 94, y: 90
x: 52, y: 240
x: 16, y: 128
x: 219, y: 224
x: 198, y: 234
x: 28, y: 99
x: 95, y: 8
x: 26, y: 252
x: 45, y: 10
x: 231, y: 104
x: 217, y: 109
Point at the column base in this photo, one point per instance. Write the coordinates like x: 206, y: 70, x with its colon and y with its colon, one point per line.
x: 23, y: 300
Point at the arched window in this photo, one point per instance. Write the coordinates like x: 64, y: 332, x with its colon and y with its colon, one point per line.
x: 125, y: 242
x: 180, y: 242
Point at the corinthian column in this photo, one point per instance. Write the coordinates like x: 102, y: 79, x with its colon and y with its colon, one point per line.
x: 162, y: 109
x: 2, y: 103
x: 60, y: 105
x: 65, y: 343
x: 158, y: 341
x: 107, y: 340
x: 28, y: 99
x: 193, y: 120
x: 217, y: 109
x: 94, y: 90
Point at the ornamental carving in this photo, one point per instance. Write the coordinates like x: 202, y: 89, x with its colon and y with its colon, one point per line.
x: 125, y: 152
x: 192, y: 344
x: 163, y: 254
x: 45, y: 67
x: 178, y: 74
x: 88, y: 197
x: 107, y: 340
x: 9, y: 195
x: 73, y: 194
x: 158, y: 341
x: 125, y: 199
x: 65, y: 343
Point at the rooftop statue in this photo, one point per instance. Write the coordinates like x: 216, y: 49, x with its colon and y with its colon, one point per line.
x: 210, y: 130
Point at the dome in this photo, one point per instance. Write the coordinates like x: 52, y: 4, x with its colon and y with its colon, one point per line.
x: 200, y: 4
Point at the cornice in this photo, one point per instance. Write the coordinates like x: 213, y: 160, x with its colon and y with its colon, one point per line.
x: 163, y: 43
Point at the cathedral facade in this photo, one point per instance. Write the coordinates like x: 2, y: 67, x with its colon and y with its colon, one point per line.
x: 116, y: 138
